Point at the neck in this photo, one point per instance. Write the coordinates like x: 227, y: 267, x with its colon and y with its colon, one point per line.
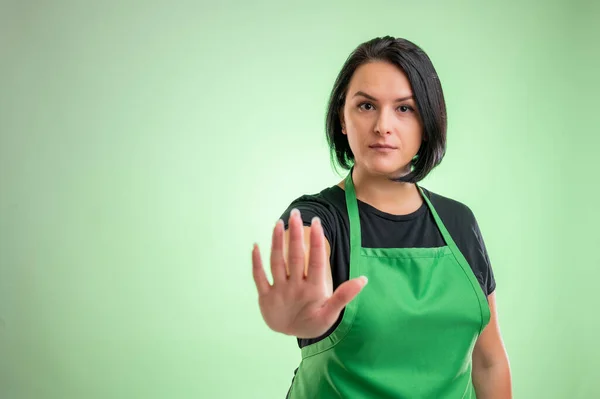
x: 397, y: 198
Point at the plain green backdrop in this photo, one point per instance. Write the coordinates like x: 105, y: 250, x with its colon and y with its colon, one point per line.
x: 145, y: 146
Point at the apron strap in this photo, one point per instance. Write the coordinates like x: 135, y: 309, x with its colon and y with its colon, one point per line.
x: 445, y: 234
x: 353, y: 216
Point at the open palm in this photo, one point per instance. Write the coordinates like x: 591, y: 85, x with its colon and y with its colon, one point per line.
x: 300, y: 302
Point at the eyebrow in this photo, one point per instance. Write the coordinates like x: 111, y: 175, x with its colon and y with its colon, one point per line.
x: 362, y: 93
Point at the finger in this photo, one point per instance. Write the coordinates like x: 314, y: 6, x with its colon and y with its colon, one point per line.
x: 317, y: 255
x: 345, y: 293
x: 296, y: 246
x: 258, y: 272
x: 277, y: 254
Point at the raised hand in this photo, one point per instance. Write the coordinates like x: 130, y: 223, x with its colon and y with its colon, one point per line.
x: 300, y: 302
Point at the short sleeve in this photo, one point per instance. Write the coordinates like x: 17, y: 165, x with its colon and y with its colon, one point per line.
x: 309, y: 207
x: 482, y: 258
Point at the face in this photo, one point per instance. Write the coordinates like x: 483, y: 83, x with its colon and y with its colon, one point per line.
x: 380, y: 119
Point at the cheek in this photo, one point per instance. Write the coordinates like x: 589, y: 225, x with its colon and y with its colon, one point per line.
x: 414, y: 131
x: 360, y: 126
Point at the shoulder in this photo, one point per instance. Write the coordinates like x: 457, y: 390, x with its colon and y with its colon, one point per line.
x: 449, y: 209
x: 327, y: 204
x: 324, y: 201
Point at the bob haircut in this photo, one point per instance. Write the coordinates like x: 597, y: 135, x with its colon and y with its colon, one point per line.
x: 427, y: 94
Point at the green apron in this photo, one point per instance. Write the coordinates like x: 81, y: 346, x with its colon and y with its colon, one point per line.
x: 409, y: 333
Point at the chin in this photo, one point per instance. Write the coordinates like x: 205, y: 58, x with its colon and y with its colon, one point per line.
x: 386, y: 168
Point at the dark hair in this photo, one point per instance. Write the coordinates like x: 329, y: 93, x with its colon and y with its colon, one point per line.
x: 428, y: 97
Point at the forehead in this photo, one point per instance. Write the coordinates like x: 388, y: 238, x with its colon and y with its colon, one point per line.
x: 380, y: 79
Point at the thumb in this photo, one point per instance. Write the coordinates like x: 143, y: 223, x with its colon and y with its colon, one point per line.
x: 343, y: 295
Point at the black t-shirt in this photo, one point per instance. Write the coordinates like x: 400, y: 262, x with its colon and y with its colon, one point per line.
x: 384, y: 230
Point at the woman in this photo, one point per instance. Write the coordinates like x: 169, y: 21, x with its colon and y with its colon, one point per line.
x: 425, y: 325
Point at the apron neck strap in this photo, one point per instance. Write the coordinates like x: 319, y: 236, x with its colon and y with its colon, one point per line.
x: 354, y: 218
x: 445, y: 234
x: 353, y: 215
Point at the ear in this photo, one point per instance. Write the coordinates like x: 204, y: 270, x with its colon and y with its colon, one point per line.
x: 342, y: 122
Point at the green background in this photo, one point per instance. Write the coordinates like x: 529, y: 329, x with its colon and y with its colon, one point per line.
x: 145, y: 146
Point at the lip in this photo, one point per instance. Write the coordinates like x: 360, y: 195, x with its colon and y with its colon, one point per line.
x: 383, y: 147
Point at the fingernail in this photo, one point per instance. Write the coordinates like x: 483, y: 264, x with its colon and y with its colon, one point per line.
x: 365, y: 279
x: 315, y: 219
x: 295, y: 212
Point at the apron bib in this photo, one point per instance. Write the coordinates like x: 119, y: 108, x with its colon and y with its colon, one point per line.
x: 409, y: 333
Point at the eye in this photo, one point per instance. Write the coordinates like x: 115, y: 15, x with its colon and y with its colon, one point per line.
x: 363, y: 105
x: 405, y: 108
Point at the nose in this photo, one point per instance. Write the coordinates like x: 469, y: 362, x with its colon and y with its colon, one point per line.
x: 384, y: 122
